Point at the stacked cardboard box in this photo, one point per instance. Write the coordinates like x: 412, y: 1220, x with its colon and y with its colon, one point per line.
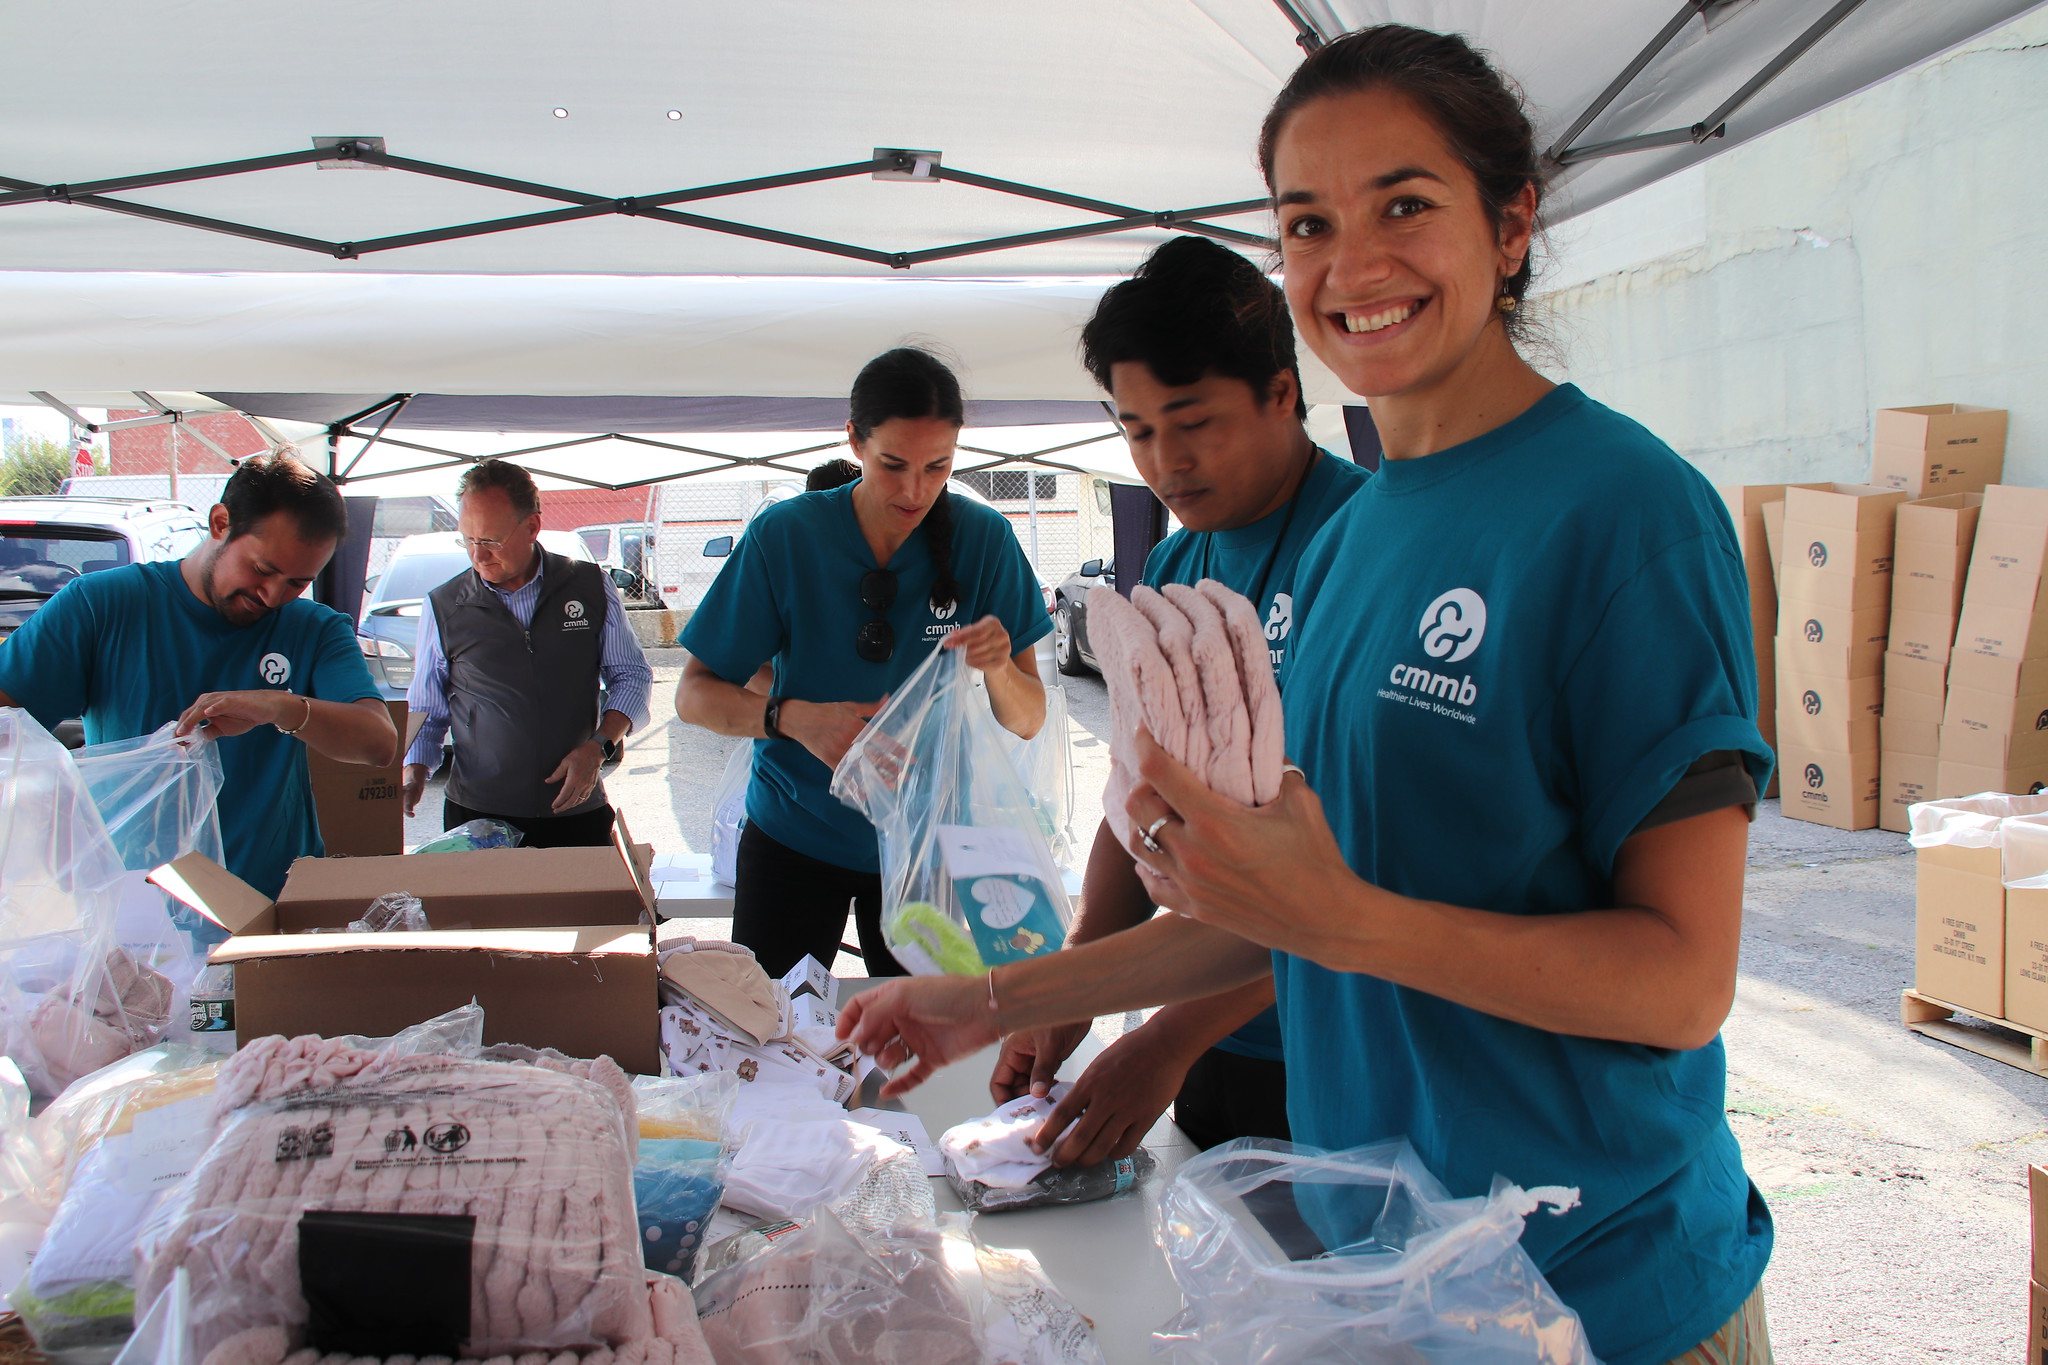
x: 1937, y: 450
x: 1754, y: 508
x: 1929, y: 566
x: 1834, y: 609
x: 2037, y: 1297
x: 1965, y: 851
x: 1994, y: 730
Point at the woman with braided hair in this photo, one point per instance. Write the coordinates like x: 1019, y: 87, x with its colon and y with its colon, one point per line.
x: 844, y: 593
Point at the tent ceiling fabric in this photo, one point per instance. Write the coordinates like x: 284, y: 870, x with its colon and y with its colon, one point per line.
x: 1148, y: 104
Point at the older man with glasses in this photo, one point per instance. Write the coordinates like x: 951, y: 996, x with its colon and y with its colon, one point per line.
x: 512, y: 654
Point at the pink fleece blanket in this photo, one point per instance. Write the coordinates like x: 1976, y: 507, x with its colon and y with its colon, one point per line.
x: 1192, y: 667
x: 538, y: 1157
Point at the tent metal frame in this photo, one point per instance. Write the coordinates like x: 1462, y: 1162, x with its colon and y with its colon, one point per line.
x: 887, y: 163
x: 372, y: 426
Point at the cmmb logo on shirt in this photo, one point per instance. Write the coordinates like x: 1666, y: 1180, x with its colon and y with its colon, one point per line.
x: 274, y: 669
x: 1450, y: 630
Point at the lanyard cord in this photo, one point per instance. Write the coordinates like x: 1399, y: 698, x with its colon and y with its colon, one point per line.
x: 1258, y: 596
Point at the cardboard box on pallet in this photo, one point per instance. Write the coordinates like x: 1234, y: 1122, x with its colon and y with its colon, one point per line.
x: 2037, y: 1204
x: 1960, y: 897
x: 1830, y: 787
x: 555, y: 944
x: 2026, y: 924
x: 1939, y: 448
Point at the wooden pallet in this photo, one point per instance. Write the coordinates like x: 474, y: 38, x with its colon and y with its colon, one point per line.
x: 1999, y: 1039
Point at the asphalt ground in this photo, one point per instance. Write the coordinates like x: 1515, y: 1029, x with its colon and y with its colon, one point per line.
x: 1895, y: 1165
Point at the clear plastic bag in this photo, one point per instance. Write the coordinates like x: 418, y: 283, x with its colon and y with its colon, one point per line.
x: 968, y: 877
x: 124, y: 1137
x: 28, y: 1184
x: 395, y: 912
x: 1045, y: 762
x: 679, y: 1169
x: 472, y: 835
x: 1292, y: 1254
x: 729, y: 813
x: 501, y: 1191
x: 72, y: 999
x: 825, y: 1295
x: 158, y: 795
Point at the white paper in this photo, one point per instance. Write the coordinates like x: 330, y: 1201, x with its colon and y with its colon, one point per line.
x: 907, y: 1129
x: 997, y: 851
x: 167, y: 1142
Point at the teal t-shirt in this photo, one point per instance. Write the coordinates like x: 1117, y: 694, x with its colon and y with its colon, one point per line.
x: 130, y: 648
x: 1259, y: 560
x: 790, y: 594
x: 1527, y: 640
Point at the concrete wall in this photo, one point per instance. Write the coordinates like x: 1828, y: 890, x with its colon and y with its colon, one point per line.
x: 1891, y: 250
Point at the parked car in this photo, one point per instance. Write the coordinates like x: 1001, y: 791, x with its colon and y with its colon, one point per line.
x: 391, y: 618
x: 47, y: 542
x: 1070, y: 646
x: 622, y: 545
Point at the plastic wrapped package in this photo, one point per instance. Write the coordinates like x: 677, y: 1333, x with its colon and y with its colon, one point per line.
x: 167, y: 1336
x: 28, y: 1184
x: 373, y: 1202
x: 1023, y: 1319
x: 679, y: 1168
x: 1292, y: 1254
x: 992, y: 1167
x: 72, y: 999
x: 124, y: 1136
x: 396, y: 912
x: 825, y: 1295
x: 968, y: 878
x: 472, y: 835
x: 729, y: 812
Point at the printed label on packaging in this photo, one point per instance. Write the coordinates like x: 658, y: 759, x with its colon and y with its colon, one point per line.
x: 166, y: 1143
x: 907, y: 1129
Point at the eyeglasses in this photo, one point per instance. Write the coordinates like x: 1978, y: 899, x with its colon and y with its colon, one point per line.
x: 473, y: 545
x: 875, y: 641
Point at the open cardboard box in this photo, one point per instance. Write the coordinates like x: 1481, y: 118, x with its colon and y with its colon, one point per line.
x: 361, y: 806
x: 556, y: 945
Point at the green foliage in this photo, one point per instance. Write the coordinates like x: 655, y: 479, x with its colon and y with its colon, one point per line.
x: 36, y: 467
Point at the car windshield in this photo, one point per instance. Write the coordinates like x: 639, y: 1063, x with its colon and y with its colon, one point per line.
x: 38, y: 559
x: 414, y: 576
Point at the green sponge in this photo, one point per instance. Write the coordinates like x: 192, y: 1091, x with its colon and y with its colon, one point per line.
x: 944, y: 942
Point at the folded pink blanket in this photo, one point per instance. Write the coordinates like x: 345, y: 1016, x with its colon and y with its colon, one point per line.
x: 539, y: 1158
x: 1192, y: 667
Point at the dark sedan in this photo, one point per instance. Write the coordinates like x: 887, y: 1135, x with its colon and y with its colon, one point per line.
x: 1070, y: 646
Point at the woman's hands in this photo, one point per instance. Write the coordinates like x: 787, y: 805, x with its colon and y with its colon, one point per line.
x: 986, y: 644
x: 1271, y: 874
x: 827, y: 728
x: 934, y: 1019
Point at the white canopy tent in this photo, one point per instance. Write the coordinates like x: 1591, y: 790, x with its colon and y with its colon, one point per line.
x: 529, y: 200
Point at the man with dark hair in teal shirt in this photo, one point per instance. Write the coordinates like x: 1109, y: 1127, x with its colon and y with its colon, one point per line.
x: 220, y: 643
x: 1197, y: 354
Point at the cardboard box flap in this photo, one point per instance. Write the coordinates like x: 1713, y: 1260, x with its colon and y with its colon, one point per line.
x: 638, y: 858
x: 199, y: 883
x: 1939, y: 424
x: 1842, y: 506
x: 596, y: 941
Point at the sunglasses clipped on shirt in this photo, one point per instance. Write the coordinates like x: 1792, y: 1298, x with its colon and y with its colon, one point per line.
x: 875, y: 641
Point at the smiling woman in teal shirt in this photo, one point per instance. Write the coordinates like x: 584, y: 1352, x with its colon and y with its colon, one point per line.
x: 845, y: 593
x: 1502, y: 905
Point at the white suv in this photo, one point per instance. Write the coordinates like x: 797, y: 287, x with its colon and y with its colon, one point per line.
x: 47, y: 542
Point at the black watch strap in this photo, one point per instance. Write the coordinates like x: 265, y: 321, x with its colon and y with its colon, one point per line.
x: 771, y: 719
